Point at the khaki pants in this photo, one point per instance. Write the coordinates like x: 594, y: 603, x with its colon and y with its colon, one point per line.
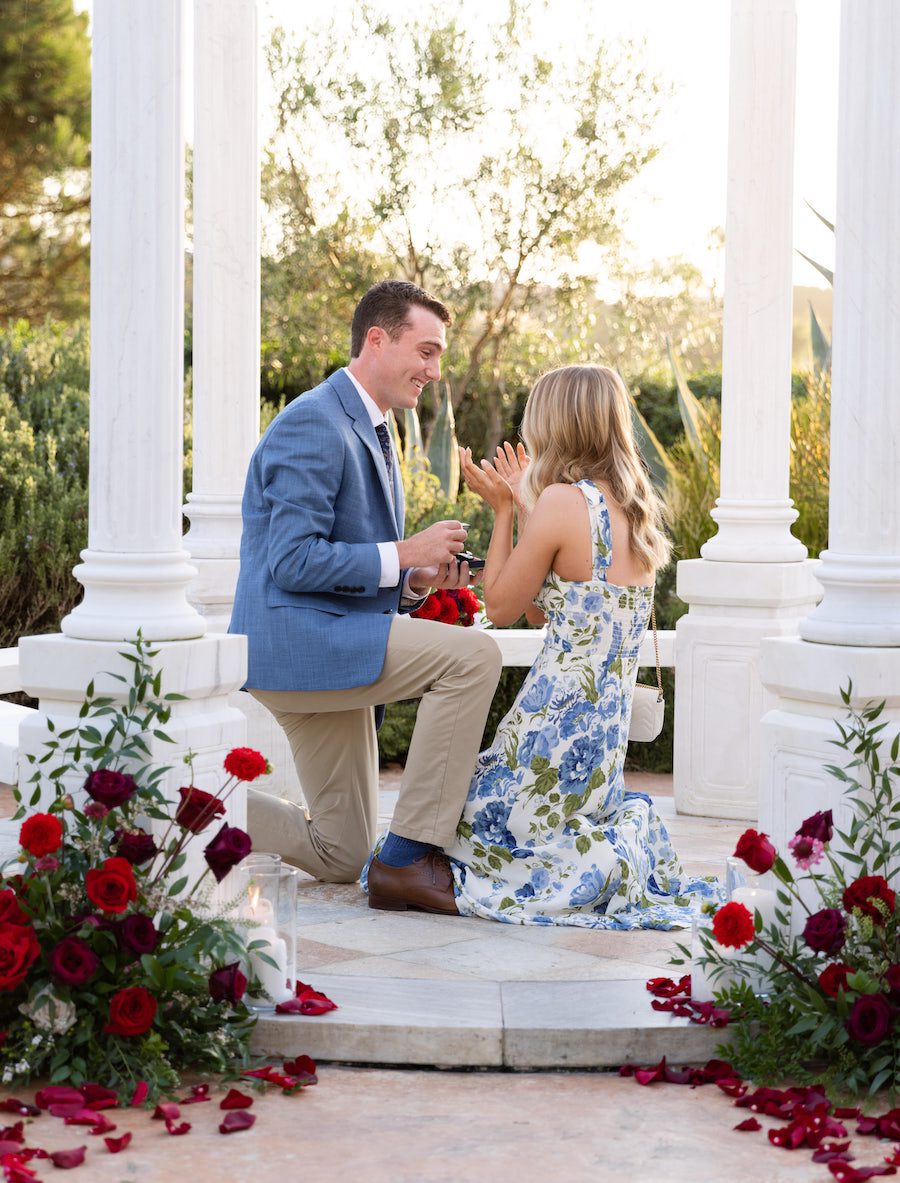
x: 332, y: 736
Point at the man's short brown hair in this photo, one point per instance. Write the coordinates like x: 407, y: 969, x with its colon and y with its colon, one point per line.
x: 387, y: 305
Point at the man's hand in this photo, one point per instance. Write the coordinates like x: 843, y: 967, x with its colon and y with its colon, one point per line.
x: 449, y: 575
x: 436, y: 546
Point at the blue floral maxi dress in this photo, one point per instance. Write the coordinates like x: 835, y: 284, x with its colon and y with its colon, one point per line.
x: 549, y: 834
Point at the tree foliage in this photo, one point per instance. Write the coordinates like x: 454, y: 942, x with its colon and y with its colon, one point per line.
x: 44, y: 132
x: 477, y: 166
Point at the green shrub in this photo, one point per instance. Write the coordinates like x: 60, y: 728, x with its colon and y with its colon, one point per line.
x: 43, y: 474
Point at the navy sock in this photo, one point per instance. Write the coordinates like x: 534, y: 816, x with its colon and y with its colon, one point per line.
x: 401, y: 852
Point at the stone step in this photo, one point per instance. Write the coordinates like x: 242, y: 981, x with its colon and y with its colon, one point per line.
x: 445, y: 1024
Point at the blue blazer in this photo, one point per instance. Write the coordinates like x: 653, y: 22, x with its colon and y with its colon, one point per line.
x: 315, y: 504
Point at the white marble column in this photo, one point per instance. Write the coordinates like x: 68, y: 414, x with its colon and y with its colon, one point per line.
x: 751, y: 581
x: 135, y: 570
x: 854, y: 635
x: 226, y: 294
x: 754, y: 511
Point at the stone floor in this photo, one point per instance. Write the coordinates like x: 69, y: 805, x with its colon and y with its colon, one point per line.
x: 435, y: 990
x: 390, y: 1126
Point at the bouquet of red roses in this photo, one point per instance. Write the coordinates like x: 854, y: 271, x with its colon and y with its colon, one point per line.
x: 111, y: 968
x: 458, y: 605
x: 830, y: 950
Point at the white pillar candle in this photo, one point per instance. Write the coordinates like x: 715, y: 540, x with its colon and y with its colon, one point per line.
x: 703, y: 983
x: 273, y: 978
x: 757, y: 899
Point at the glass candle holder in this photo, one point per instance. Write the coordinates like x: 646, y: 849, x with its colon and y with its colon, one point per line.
x: 746, y: 886
x: 268, y: 914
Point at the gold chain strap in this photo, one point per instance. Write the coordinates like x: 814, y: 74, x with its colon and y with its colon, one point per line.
x: 659, y: 685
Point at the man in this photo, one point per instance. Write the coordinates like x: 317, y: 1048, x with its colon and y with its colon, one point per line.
x: 325, y: 587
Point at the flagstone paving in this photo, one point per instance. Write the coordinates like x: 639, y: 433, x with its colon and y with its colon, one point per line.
x: 460, y: 991
x: 390, y: 1126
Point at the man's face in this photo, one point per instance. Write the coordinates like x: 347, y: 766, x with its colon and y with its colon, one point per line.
x: 402, y: 367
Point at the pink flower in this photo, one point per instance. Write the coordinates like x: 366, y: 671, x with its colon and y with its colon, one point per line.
x: 47, y: 863
x: 806, y: 851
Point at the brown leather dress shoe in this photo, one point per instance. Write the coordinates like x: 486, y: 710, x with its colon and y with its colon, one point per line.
x: 425, y: 885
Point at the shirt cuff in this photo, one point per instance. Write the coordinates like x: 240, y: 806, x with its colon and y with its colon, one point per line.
x: 390, y: 564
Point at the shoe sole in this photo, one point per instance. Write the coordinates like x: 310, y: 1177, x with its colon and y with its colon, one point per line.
x: 386, y: 905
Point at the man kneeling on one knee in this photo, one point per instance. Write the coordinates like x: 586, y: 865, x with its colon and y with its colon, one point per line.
x: 326, y: 585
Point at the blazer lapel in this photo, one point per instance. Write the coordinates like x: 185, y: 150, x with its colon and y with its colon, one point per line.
x: 363, y: 427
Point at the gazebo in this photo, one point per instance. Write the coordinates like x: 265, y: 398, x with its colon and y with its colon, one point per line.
x: 771, y: 635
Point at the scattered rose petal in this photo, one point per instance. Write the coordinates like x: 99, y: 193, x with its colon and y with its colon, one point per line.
x: 885, y: 1126
x: 310, y: 1002
x: 845, y: 1172
x: 827, y: 1154
x: 177, y: 1130
x: 114, y: 1145
x: 271, y: 1076
x: 69, y: 1110
x: 749, y: 1123
x: 14, y: 1105
x: 303, y: 1068
x: 236, y: 1120
x: 66, y: 1159
x: 166, y: 1111
x: 732, y: 1088
x: 235, y: 1100
x: 9, y: 1146
x: 15, y: 1170
x: 59, y: 1094
x: 141, y: 1091
x: 13, y: 1133
x: 98, y: 1097
x: 199, y: 1093
x: 647, y: 1076
x: 103, y: 1125
x: 81, y: 1116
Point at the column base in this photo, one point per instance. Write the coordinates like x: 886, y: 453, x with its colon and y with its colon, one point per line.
x: 719, y: 697
x: 126, y: 592
x: 803, y: 682
x: 754, y: 532
x: 56, y: 670
x: 861, y: 604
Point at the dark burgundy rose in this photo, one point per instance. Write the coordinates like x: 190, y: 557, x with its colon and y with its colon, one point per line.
x: 892, y: 980
x: 197, y: 808
x: 227, y: 984
x: 110, y: 788
x: 135, y: 845
x: 820, y: 826
x: 138, y: 933
x: 73, y: 962
x: 863, y: 891
x: 226, y: 850
x: 870, y: 1019
x: 756, y: 850
x: 824, y: 931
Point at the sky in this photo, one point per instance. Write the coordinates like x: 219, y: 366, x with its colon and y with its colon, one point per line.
x: 678, y: 201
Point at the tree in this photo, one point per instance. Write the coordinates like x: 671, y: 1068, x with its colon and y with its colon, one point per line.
x: 476, y: 165
x: 45, y: 92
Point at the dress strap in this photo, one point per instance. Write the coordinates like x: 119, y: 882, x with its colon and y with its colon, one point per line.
x: 601, y: 534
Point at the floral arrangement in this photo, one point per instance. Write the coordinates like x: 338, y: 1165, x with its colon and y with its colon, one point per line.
x: 831, y: 1007
x: 458, y: 605
x: 112, y: 967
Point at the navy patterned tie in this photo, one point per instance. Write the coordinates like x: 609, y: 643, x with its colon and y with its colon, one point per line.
x: 384, y: 438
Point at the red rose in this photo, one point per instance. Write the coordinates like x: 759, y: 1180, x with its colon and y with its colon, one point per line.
x: 112, y: 887
x: 733, y: 925
x: 226, y: 850
x: 892, y: 980
x: 18, y: 949
x: 824, y: 931
x: 449, y: 613
x: 430, y: 610
x: 41, y: 834
x: 756, y: 850
x: 197, y: 809
x: 227, y: 984
x: 109, y: 787
x: 138, y: 934
x: 73, y: 961
x: 131, y: 1011
x: 862, y: 891
x: 820, y: 826
x: 834, y: 978
x: 245, y: 764
x: 10, y: 908
x: 870, y: 1019
x: 137, y: 846
x: 469, y: 604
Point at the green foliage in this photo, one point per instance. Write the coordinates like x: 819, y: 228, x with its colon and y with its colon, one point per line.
x: 800, y: 1031
x: 63, y: 1033
x: 43, y: 474
x: 44, y: 132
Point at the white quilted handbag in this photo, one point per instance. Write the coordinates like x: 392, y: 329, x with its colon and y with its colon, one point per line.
x: 648, y: 706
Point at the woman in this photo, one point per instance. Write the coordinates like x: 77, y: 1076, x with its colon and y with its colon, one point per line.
x: 549, y: 834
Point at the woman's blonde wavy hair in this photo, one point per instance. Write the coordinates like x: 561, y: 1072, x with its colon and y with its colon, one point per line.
x: 577, y: 426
